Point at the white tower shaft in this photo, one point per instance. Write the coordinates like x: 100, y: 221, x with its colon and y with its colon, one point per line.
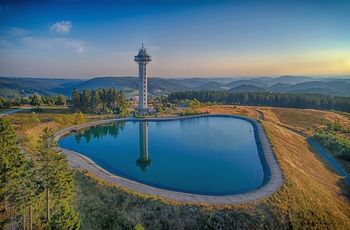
x: 143, y: 85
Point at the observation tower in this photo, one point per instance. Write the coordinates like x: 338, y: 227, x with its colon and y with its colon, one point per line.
x: 143, y: 59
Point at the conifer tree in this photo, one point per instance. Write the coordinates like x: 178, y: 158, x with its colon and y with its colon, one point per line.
x: 46, y: 145
x: 24, y: 192
x: 86, y: 101
x: 57, y: 180
x: 95, y: 100
x: 11, y: 168
x: 103, y: 97
x: 66, y: 218
x: 76, y: 102
x: 112, y: 96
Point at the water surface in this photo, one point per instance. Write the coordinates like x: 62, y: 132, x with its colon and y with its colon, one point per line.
x: 206, y: 155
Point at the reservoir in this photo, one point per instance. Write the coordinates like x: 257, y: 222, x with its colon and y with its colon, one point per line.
x: 210, y: 155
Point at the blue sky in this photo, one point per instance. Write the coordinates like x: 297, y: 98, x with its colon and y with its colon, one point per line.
x: 88, y: 38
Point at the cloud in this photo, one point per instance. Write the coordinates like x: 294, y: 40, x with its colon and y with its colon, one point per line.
x: 62, y: 26
x: 79, y: 46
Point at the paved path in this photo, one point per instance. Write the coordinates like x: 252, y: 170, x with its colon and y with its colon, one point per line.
x: 335, y: 164
x: 261, y: 115
x: 273, y: 178
x: 323, y: 152
x: 13, y: 111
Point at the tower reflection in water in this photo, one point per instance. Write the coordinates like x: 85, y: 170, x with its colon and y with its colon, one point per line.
x: 143, y: 162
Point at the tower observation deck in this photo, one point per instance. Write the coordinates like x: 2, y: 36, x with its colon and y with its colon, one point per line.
x: 143, y: 59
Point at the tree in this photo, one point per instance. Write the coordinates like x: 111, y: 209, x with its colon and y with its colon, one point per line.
x: 122, y: 104
x: 95, y: 100
x: 7, y: 104
x: 112, y: 97
x: 57, y: 180
x: 49, y: 100
x: 2, y: 101
x: 61, y: 100
x: 36, y: 100
x: 25, y: 192
x: 45, y: 149
x: 103, y: 97
x: 12, y: 163
x: 287, y: 100
x: 86, y: 101
x: 76, y: 102
x: 66, y: 217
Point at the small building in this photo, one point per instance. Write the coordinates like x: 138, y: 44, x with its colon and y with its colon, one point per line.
x: 134, y: 100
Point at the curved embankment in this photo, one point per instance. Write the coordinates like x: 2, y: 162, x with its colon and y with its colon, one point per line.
x: 273, y: 178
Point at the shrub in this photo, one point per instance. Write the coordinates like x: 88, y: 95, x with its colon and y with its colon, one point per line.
x: 339, y: 146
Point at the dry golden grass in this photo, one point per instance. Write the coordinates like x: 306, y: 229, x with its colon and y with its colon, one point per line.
x: 305, y: 120
x: 310, y: 185
x: 230, y: 109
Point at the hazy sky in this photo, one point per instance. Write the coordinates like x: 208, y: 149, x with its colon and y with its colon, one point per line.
x: 88, y: 38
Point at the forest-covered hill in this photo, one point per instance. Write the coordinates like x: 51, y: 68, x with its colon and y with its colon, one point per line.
x: 21, y: 87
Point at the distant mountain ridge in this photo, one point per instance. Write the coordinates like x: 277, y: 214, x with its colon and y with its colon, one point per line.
x: 20, y: 87
x: 247, y: 88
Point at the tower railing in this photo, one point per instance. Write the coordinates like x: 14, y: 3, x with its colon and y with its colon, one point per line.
x: 143, y: 58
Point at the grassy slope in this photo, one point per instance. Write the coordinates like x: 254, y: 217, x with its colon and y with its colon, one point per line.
x: 306, y: 121
x: 313, y: 196
x: 313, y: 193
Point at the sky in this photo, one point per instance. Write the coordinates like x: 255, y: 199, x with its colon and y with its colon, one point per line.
x: 192, y: 38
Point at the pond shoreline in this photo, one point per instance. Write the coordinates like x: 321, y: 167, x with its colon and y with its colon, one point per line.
x: 273, y: 178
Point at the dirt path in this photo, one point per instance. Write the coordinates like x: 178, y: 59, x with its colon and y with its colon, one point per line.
x: 273, y: 178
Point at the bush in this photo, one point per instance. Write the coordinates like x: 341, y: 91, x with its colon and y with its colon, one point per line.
x: 339, y: 146
x: 190, y: 112
x: 124, y: 112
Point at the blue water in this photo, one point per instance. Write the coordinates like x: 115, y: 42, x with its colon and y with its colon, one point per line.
x: 206, y: 155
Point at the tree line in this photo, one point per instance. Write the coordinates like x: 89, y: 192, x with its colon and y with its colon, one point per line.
x: 35, y: 100
x: 286, y: 100
x: 36, y: 192
x: 100, y: 101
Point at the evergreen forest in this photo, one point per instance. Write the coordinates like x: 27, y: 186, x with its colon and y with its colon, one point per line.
x: 284, y: 100
x: 37, y: 191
